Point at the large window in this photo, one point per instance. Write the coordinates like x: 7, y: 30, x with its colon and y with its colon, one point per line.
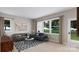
x: 74, y: 31
x: 7, y: 25
x: 55, y: 26
x: 51, y: 26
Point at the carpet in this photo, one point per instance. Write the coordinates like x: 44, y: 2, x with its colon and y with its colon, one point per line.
x: 21, y: 45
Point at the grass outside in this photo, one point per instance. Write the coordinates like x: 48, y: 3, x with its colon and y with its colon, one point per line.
x: 73, y: 33
x: 74, y: 36
x: 53, y: 30
x: 46, y: 30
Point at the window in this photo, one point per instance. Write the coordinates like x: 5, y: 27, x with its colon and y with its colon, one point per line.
x: 74, y: 30
x: 46, y: 26
x: 55, y: 26
x: 51, y: 26
x: 7, y: 25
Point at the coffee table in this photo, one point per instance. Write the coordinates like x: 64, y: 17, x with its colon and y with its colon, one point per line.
x: 28, y: 40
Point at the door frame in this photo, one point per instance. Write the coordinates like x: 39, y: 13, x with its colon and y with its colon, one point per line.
x: 70, y: 41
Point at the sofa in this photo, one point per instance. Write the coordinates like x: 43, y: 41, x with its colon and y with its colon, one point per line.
x: 36, y: 36
x: 41, y: 37
x: 19, y: 37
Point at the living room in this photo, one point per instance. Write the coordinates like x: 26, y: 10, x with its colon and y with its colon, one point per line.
x: 30, y: 28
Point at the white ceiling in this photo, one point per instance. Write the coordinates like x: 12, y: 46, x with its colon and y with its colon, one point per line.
x: 32, y: 12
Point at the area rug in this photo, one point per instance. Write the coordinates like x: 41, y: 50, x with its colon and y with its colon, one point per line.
x: 21, y: 45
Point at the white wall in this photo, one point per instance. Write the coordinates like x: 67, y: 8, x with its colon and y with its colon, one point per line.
x: 15, y: 19
x: 23, y: 21
x: 71, y: 14
x: 40, y: 26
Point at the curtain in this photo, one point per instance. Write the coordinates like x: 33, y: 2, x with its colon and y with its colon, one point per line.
x: 78, y: 21
x: 34, y: 26
x: 1, y: 26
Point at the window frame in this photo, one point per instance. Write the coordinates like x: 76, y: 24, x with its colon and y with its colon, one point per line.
x: 48, y: 28
x: 10, y: 24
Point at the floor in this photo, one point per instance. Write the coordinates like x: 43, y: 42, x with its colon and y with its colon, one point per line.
x: 49, y: 47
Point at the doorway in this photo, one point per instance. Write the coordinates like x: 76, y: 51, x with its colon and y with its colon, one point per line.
x: 73, y: 30
x: 73, y: 39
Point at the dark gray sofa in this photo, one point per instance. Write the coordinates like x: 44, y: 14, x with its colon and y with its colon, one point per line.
x: 22, y: 36
x: 19, y: 37
x: 41, y: 37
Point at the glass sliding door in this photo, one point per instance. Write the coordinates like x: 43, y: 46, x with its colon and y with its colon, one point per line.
x: 74, y: 30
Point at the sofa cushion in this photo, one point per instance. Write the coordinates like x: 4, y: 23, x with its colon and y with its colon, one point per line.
x: 41, y: 37
x: 41, y: 34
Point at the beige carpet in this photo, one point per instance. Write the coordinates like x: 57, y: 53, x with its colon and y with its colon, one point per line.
x: 50, y: 47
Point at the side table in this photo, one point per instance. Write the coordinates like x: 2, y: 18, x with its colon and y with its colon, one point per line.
x: 6, y: 44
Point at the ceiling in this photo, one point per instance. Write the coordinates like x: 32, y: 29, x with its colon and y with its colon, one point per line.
x: 32, y: 12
